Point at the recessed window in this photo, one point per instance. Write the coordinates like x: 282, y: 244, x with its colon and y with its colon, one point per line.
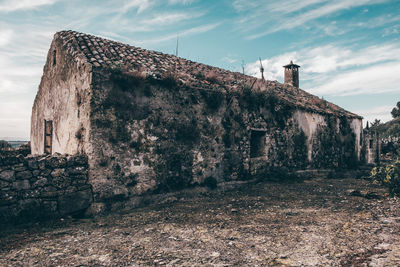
x: 257, y: 143
x: 371, y: 142
x: 54, y: 57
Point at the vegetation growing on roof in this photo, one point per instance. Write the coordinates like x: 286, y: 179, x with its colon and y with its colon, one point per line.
x: 154, y: 64
x: 213, y: 99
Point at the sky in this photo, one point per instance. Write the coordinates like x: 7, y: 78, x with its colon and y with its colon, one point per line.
x: 348, y: 50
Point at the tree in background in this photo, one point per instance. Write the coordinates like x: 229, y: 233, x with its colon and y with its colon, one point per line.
x: 375, y: 123
x: 4, y: 145
x: 389, y: 173
x: 394, y: 130
x: 396, y: 111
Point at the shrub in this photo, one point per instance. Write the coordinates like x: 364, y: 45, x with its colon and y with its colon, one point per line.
x: 173, y: 167
x: 103, y: 162
x: 79, y: 133
x: 199, y: 75
x: 187, y: 131
x: 4, y: 145
x: 388, y: 176
x: 127, y: 81
x: 168, y: 80
x: 213, y: 99
x: 210, y: 182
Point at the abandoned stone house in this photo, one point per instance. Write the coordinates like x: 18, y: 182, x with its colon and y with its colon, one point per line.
x: 149, y: 121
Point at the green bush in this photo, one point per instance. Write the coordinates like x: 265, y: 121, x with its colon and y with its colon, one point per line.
x: 4, y: 145
x: 388, y: 176
x: 211, y: 182
x: 213, y: 99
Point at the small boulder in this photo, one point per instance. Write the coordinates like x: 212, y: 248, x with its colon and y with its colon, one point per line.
x: 8, y: 175
x: 74, y: 202
x: 21, y: 185
x: 355, y: 193
x: 372, y: 195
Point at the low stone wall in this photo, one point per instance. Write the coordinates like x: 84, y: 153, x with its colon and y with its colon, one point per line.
x: 43, y: 187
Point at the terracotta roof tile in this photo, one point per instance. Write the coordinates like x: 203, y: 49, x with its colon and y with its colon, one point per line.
x: 105, y: 53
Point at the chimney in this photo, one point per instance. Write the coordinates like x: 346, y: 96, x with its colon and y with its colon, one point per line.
x: 292, y: 74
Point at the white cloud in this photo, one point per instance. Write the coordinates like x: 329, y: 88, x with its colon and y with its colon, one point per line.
x: 382, y: 78
x: 140, y: 5
x: 15, y: 119
x: 187, y: 32
x: 13, y: 5
x: 169, y: 18
x: 377, y: 21
x: 229, y: 59
x: 290, y: 6
x: 381, y: 113
x: 273, y: 69
x: 184, y: 2
x: 265, y: 17
x: 391, y: 30
x: 5, y: 37
x: 334, y: 70
x: 21, y: 66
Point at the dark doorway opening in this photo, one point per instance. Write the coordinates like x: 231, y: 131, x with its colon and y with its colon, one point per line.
x: 257, y: 143
x: 48, y: 136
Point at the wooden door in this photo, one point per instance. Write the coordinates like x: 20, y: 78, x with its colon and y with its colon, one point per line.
x: 48, y: 136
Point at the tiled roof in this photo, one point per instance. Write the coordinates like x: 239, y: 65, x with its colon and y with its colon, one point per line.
x: 104, y: 53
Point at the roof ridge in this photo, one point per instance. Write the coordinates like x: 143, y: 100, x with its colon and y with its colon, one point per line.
x: 105, y: 53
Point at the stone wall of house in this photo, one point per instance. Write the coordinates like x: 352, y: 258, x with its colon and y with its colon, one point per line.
x: 157, y: 135
x: 63, y: 98
x: 41, y: 187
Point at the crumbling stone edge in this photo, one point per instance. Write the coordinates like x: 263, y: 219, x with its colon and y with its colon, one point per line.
x: 35, y: 188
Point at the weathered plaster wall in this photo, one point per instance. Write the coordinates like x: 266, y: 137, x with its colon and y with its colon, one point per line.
x: 356, y: 126
x: 64, y: 98
x: 37, y: 188
x: 309, y: 124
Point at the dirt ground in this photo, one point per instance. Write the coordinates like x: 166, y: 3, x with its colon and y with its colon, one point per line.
x: 317, y: 222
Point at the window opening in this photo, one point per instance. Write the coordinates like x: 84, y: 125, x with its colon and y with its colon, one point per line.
x: 54, y: 57
x: 257, y: 143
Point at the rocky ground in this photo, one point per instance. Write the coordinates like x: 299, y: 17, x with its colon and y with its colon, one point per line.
x: 315, y: 222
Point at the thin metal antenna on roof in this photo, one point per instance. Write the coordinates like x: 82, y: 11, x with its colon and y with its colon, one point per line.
x: 243, y: 66
x: 261, y: 70
x: 177, y: 45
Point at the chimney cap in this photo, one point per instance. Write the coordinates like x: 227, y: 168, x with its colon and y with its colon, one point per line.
x: 291, y: 64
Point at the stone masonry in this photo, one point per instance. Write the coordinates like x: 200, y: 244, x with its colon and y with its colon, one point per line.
x: 43, y: 187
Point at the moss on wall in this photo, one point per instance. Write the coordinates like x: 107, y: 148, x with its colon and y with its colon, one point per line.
x: 334, y: 147
x: 166, y: 136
